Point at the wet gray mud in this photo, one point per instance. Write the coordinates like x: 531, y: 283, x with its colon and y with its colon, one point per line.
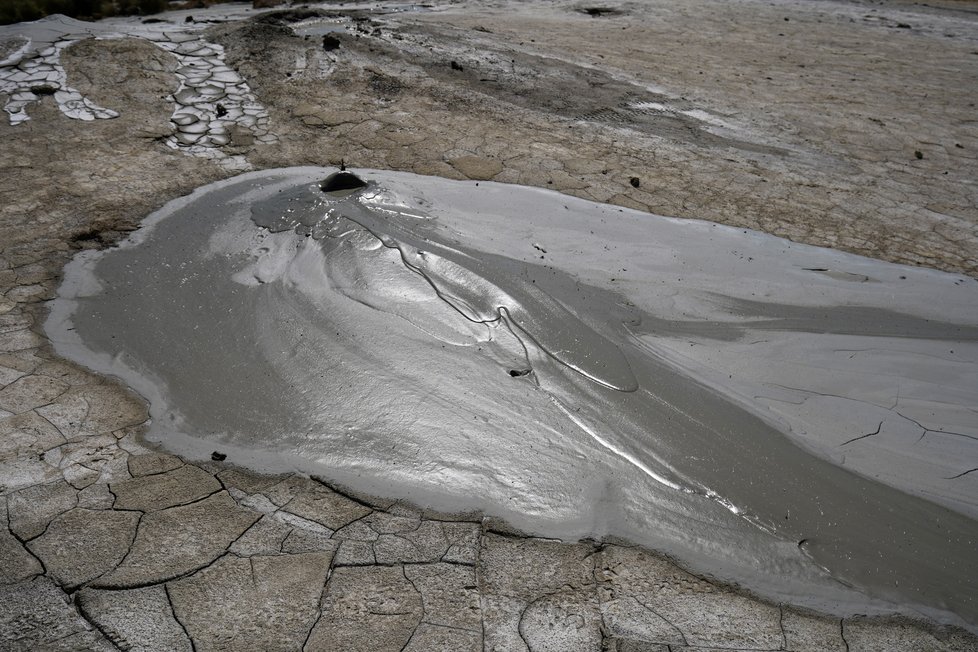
x: 795, y: 420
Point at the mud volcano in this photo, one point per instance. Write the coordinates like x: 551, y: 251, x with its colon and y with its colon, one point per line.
x: 793, y: 419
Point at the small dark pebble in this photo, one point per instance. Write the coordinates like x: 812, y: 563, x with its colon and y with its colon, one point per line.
x: 218, y: 457
x: 457, y: 66
x: 635, y: 181
x: 518, y: 373
x: 221, y: 111
x: 188, y: 19
x: 919, y: 154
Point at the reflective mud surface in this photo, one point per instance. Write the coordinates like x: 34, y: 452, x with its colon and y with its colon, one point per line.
x: 793, y: 419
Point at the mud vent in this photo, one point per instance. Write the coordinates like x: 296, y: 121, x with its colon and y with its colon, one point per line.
x: 342, y: 183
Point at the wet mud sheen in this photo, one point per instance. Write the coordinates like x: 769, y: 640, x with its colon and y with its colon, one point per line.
x: 356, y: 333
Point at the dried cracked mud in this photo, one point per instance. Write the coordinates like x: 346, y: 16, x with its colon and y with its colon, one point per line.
x: 842, y: 124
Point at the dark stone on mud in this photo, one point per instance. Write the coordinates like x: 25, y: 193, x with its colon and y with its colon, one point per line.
x: 457, y: 66
x: 635, y: 181
x: 330, y: 43
x: 218, y: 457
x: 519, y: 373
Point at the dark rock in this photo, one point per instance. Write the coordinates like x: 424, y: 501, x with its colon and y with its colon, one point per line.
x: 330, y: 43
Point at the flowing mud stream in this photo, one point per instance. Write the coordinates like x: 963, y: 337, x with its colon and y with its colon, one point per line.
x: 796, y: 420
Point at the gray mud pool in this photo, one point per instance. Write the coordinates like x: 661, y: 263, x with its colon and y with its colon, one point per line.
x: 799, y: 421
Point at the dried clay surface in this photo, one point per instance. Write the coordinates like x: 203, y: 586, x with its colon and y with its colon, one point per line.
x: 840, y: 124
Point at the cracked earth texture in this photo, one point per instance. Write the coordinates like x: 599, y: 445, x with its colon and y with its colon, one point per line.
x: 842, y: 124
